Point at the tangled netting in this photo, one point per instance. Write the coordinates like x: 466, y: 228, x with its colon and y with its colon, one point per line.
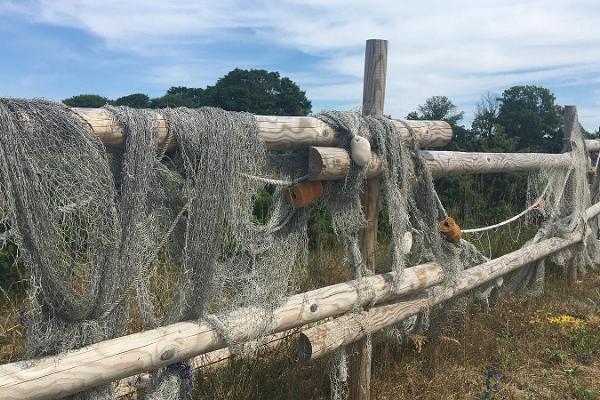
x: 170, y: 235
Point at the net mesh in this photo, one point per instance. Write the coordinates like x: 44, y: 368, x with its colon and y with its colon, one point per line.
x: 99, y: 231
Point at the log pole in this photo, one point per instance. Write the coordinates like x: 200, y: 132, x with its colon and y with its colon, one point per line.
x: 332, y: 163
x: 58, y: 376
x: 277, y: 132
x: 209, y: 361
x: 571, y: 135
x: 325, y: 338
x: 373, y: 102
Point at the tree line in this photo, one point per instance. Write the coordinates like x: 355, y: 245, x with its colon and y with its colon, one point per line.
x: 255, y: 91
x: 523, y: 118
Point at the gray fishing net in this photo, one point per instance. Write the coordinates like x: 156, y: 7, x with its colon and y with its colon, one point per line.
x: 169, y: 236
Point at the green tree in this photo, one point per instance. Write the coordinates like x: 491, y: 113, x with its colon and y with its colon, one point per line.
x: 486, y: 117
x: 86, y: 100
x: 438, y: 108
x: 136, y: 100
x: 530, y: 114
x: 181, y: 96
x: 258, y: 91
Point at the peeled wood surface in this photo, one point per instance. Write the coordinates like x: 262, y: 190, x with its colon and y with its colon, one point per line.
x: 592, y: 145
x: 215, y: 359
x: 107, y: 361
x: 278, y: 133
x: 372, y: 104
x: 332, y: 163
x: 325, y: 338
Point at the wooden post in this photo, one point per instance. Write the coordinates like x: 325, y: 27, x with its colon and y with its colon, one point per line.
x: 373, y: 101
x: 570, y: 132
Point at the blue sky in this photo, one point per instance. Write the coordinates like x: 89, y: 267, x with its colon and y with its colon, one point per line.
x: 462, y: 49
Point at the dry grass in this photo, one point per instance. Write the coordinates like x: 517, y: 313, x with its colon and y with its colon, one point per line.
x: 536, y: 357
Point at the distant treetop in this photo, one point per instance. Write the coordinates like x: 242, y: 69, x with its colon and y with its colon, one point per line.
x: 86, y: 100
x: 255, y: 91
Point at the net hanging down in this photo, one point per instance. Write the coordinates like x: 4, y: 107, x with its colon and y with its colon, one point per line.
x: 97, y: 231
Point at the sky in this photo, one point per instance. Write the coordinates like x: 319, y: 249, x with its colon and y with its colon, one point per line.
x: 461, y: 49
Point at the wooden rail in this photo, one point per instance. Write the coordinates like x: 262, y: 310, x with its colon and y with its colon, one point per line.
x: 65, y: 374
x: 278, y: 133
x: 325, y: 338
x: 108, y: 361
x: 332, y: 163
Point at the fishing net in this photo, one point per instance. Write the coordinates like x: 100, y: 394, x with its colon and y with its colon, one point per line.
x: 170, y: 235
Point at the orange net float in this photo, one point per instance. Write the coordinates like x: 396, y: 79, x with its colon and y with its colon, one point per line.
x: 303, y: 193
x: 450, y: 229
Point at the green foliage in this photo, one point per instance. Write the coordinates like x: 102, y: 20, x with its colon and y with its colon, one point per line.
x: 86, y: 100
x: 137, y: 100
x: 181, y: 96
x: 438, y: 108
x: 582, y: 392
x: 258, y: 91
x: 586, y: 341
x: 558, y: 356
x: 530, y: 114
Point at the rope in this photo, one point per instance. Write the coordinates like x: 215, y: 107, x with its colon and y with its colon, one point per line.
x: 276, y: 182
x: 535, y: 205
x: 538, y: 203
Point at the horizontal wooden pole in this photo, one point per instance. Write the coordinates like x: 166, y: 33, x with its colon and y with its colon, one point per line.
x: 592, y: 145
x: 214, y: 359
x: 332, y: 163
x: 325, y: 338
x: 277, y: 132
x: 104, y: 362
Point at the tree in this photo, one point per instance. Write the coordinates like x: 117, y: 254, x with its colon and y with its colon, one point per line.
x: 438, y: 108
x: 86, y: 100
x: 530, y: 114
x: 137, y: 100
x: 181, y: 96
x: 486, y: 117
x: 258, y: 91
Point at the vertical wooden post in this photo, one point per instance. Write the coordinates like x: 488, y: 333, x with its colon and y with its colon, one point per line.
x: 373, y: 100
x: 570, y: 129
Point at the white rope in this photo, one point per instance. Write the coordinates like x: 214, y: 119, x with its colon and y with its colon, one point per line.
x: 276, y: 182
x: 534, y: 206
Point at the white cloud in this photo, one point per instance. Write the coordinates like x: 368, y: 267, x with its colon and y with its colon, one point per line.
x: 458, y: 48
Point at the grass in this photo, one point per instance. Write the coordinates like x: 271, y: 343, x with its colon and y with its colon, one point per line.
x: 529, y: 354
x: 537, y: 348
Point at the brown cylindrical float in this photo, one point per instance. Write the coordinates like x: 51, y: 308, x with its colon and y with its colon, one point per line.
x: 304, y: 193
x: 450, y: 229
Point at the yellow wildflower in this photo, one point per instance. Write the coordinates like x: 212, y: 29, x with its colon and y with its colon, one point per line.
x: 566, y: 320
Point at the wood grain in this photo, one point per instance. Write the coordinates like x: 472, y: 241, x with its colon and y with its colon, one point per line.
x: 58, y: 376
x: 332, y: 163
x: 372, y: 104
x: 215, y: 359
x: 592, y: 145
x: 278, y: 133
x: 342, y: 331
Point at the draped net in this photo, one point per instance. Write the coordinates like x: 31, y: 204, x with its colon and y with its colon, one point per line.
x: 99, y: 231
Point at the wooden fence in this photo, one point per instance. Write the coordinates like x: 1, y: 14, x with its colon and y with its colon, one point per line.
x: 384, y: 303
